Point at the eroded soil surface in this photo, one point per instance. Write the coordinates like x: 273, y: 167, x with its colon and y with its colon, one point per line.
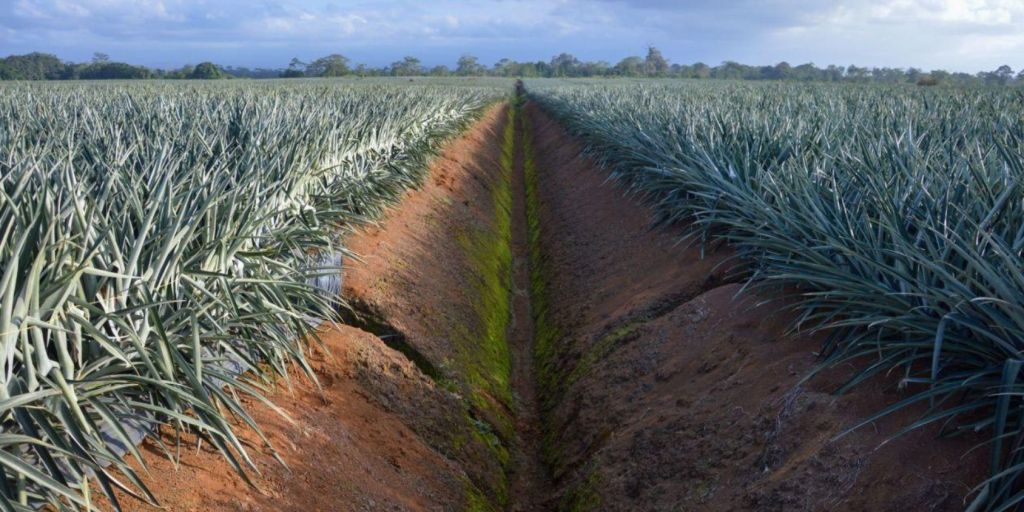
x: 345, y: 449
x: 528, y: 342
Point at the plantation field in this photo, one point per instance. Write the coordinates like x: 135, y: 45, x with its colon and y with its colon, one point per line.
x: 789, y: 296
x: 895, y: 213
x: 158, y: 240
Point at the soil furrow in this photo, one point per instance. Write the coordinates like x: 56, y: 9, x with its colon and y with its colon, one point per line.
x: 529, y: 481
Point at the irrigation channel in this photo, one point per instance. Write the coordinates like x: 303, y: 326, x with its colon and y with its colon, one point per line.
x: 521, y: 338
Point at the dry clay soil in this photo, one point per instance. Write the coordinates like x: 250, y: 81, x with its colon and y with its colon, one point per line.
x: 662, y: 388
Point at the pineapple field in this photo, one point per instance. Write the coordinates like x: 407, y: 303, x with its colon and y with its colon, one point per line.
x: 457, y: 294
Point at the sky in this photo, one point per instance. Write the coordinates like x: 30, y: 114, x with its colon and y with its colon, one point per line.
x: 956, y: 35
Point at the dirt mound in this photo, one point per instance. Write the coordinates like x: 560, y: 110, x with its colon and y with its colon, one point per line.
x: 345, y: 450
x: 669, y: 389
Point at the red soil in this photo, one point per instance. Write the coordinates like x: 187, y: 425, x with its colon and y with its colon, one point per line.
x: 344, y: 451
x: 416, y: 276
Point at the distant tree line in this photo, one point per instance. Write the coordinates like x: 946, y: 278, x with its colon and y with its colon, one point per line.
x: 41, y: 66
x: 653, y: 65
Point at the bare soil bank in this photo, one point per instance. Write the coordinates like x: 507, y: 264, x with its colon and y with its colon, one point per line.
x: 523, y: 310
x: 388, y: 430
x: 346, y: 450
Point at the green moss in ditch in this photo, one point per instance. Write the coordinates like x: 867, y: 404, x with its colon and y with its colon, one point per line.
x: 476, y: 501
x: 583, y: 497
x: 484, y: 359
x: 602, y: 349
x: 546, y: 333
x: 485, y: 433
x: 550, y: 447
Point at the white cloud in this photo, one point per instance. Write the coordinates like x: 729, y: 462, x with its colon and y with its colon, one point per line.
x: 982, y: 13
x: 964, y: 35
x: 956, y: 34
x: 71, y: 9
x: 28, y: 9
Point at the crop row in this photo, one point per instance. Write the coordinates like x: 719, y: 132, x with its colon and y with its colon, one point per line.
x: 160, y: 247
x: 897, y: 215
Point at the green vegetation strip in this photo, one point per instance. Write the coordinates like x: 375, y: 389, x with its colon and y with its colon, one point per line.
x: 485, y: 360
x: 546, y: 333
x: 583, y: 496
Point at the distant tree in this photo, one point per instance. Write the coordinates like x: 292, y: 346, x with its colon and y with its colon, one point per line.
x: 1003, y: 74
x: 940, y: 76
x: 244, y: 72
x: 701, y: 70
x: 806, y: 72
x: 728, y: 70
x: 331, y: 65
x: 889, y: 75
x: 630, y: 66
x: 835, y: 73
x: 408, y: 66
x: 40, y: 66
x: 206, y: 71
x: 855, y: 73
x: 37, y: 66
x: 564, y: 64
x: 506, y: 67
x: 962, y: 78
x: 510, y: 68
x: 655, y: 64
x: 296, y: 63
x: 526, y: 70
x: 780, y: 71
x: 106, y: 70
x: 593, y: 68
x: 184, y: 72
x: 468, y: 65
